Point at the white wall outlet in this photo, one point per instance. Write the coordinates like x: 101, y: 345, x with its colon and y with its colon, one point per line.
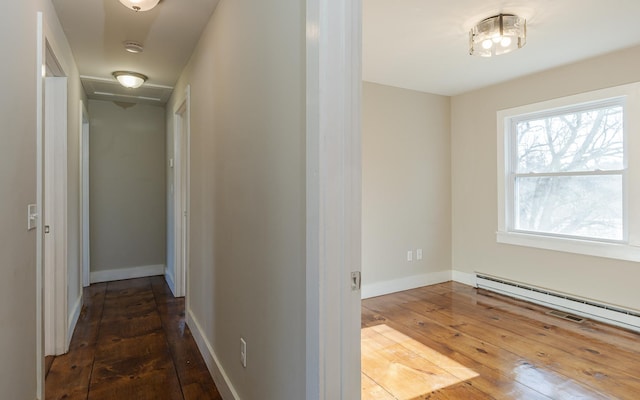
x: 419, y: 254
x: 243, y: 352
x: 410, y: 255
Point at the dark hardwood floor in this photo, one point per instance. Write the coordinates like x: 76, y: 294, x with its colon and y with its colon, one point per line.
x: 452, y: 341
x: 131, y: 342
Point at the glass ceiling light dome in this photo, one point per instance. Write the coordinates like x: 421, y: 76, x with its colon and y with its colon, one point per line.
x: 497, y: 35
x: 140, y: 5
x: 130, y: 80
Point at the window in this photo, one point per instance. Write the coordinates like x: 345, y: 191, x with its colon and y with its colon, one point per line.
x: 565, y: 170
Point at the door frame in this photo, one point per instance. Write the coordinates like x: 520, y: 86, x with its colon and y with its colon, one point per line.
x: 333, y: 146
x: 55, y: 214
x: 40, y: 62
x: 46, y: 61
x: 181, y: 184
x: 85, y: 245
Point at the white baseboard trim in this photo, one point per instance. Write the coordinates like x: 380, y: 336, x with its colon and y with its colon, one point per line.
x: 73, y: 319
x: 126, y: 273
x: 168, y: 276
x: 220, y: 378
x: 464, y: 277
x: 406, y: 283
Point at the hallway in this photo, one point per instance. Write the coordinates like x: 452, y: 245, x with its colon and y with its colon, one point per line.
x: 131, y: 342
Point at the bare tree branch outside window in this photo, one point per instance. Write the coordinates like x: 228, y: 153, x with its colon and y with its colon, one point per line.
x: 568, y: 177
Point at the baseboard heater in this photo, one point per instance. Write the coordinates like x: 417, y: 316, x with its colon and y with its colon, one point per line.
x: 589, y: 309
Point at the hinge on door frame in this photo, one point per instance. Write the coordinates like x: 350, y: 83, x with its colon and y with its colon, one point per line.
x: 355, y: 280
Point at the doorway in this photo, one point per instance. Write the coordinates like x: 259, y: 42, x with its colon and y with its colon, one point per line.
x: 177, y: 278
x: 85, y: 257
x: 55, y: 207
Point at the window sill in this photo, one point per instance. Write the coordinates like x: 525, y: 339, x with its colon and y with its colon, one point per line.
x: 618, y: 251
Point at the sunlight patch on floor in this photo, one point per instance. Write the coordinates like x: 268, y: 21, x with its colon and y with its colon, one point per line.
x: 395, y: 366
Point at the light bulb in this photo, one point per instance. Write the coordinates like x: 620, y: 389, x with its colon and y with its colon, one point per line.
x: 130, y: 80
x: 486, y: 44
x: 506, y: 41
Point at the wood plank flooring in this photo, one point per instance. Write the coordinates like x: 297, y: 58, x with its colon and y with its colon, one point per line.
x: 131, y: 342
x: 452, y: 341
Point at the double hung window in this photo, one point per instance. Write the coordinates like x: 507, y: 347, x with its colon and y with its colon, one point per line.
x: 567, y: 174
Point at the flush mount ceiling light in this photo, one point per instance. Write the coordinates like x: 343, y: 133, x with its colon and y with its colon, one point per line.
x: 140, y: 5
x: 133, y: 47
x: 497, y: 35
x: 130, y: 80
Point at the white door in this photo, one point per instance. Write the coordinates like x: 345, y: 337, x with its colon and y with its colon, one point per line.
x: 181, y: 196
x: 55, y: 216
x: 84, y: 193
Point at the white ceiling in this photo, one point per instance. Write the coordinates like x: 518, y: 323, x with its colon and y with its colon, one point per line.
x: 423, y: 44
x: 96, y: 29
x: 414, y: 44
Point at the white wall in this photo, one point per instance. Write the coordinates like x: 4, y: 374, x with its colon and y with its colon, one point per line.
x: 474, y: 180
x: 17, y: 189
x: 406, y: 191
x: 127, y: 187
x: 247, y: 253
x: 18, y: 317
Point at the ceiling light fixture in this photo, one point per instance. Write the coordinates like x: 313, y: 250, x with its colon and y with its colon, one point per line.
x: 140, y: 5
x: 497, y: 35
x: 130, y: 80
x: 133, y: 47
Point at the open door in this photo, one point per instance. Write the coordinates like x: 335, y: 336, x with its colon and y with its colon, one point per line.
x: 55, y: 216
x: 84, y: 195
x: 178, y: 279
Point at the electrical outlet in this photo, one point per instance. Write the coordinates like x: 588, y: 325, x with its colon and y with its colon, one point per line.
x: 410, y: 255
x: 243, y: 352
x: 419, y: 254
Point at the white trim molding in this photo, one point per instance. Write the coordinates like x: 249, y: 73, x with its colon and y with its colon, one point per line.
x: 464, y: 278
x: 118, y: 274
x: 406, y: 283
x: 168, y: 277
x: 74, y: 315
x: 220, y: 378
x: 333, y: 198
x: 619, y: 251
x: 181, y: 198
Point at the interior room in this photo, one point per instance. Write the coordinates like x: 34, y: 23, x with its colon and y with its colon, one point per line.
x: 320, y: 200
x: 431, y: 209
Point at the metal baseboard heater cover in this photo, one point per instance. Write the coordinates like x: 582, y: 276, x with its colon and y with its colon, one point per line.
x: 624, y: 318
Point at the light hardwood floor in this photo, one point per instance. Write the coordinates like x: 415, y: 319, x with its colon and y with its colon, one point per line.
x: 452, y: 341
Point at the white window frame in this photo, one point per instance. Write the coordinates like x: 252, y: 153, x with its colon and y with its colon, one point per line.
x: 626, y: 249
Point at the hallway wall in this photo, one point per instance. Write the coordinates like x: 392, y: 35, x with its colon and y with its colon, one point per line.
x: 18, y: 158
x: 17, y: 189
x: 126, y: 190
x: 247, y: 232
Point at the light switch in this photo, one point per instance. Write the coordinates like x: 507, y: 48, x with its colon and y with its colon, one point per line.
x: 32, y: 216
